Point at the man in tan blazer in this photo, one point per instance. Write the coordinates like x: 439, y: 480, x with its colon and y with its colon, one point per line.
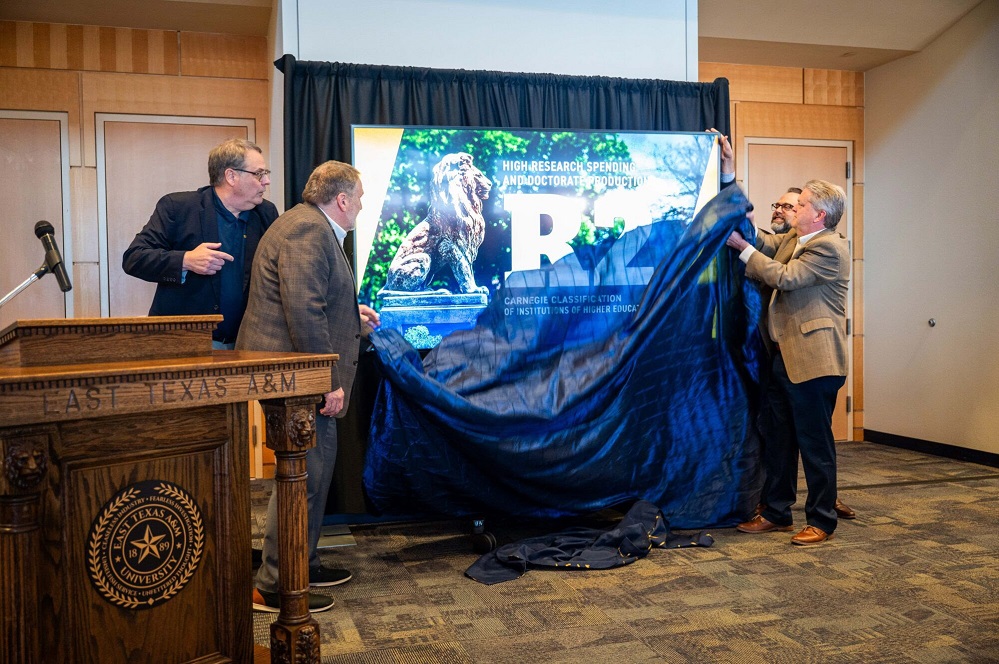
x: 780, y: 222
x: 808, y: 269
x: 302, y: 299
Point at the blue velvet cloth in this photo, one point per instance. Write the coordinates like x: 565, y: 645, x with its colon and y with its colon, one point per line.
x: 550, y: 415
x: 642, y: 529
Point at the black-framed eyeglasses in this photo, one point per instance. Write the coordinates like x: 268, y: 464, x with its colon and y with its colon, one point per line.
x: 260, y: 175
x: 787, y: 207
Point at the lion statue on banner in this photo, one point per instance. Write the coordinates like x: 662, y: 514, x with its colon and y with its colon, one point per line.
x: 448, y: 239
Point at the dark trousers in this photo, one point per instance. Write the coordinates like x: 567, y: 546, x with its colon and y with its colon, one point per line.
x: 798, y: 419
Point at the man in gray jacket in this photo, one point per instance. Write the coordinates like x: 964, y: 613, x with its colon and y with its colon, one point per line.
x: 302, y: 299
x: 808, y: 269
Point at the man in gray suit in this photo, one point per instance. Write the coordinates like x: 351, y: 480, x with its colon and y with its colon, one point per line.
x: 303, y: 299
x: 808, y: 269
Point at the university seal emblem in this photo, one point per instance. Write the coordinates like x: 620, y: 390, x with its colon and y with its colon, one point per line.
x: 145, y: 544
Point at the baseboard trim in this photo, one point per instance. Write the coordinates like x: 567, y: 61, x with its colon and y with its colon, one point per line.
x: 929, y: 447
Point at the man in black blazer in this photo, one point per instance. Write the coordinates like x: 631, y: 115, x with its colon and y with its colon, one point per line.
x: 198, y: 246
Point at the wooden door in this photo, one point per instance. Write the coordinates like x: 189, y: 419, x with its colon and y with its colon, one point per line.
x: 771, y: 169
x: 775, y: 167
x: 142, y: 162
x: 32, y: 161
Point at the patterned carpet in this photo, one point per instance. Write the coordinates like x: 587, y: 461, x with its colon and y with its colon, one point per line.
x: 915, y: 578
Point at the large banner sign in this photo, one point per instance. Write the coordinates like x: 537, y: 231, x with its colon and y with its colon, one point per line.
x: 455, y: 217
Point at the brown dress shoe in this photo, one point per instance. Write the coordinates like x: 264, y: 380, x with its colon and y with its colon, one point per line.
x: 844, y: 512
x: 811, y: 536
x: 760, y: 525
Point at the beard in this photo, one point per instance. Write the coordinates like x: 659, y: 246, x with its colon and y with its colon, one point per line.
x: 780, y: 226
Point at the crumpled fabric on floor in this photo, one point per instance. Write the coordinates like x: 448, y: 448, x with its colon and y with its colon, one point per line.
x: 642, y: 529
x: 552, y: 415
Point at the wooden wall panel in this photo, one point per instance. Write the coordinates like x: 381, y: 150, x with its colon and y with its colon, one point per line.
x: 857, y: 278
x: 86, y: 290
x: 83, y: 212
x: 858, y: 349
x: 801, y: 121
x: 858, y: 311
x: 83, y: 42
x: 174, y: 95
x: 756, y: 82
x: 30, y: 160
x: 8, y: 44
x: 41, y: 48
x: 858, y: 222
x: 41, y: 90
x: 834, y: 87
x: 858, y: 387
x: 24, y: 45
x: 88, y: 48
x: 58, y: 46
x: 229, y: 56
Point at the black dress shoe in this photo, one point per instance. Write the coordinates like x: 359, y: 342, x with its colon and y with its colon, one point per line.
x: 271, y: 602
x: 844, y: 512
x: 321, y: 577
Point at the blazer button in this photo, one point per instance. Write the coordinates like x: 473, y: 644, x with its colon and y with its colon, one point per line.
x: 355, y: 363
x: 357, y: 336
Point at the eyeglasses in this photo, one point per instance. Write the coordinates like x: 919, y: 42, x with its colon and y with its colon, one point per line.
x: 260, y: 175
x: 787, y: 207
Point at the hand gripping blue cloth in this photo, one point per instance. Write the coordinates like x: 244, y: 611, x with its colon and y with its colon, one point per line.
x: 589, y: 401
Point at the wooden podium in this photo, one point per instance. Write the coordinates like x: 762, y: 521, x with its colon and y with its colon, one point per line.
x: 124, y: 491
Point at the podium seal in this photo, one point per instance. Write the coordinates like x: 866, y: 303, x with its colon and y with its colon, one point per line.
x: 145, y: 544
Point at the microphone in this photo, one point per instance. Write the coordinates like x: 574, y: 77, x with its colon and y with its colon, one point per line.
x: 53, y: 259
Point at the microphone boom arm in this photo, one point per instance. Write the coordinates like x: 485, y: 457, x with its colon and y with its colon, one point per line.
x: 35, y: 276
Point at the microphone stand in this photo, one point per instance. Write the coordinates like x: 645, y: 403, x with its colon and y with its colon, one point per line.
x: 38, y: 274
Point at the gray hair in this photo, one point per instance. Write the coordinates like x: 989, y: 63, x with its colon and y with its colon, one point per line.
x: 228, y: 154
x: 829, y: 198
x: 793, y: 190
x: 329, y: 180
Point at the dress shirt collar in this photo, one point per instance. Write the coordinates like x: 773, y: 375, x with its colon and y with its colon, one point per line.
x: 221, y: 209
x: 337, y: 231
x: 805, y: 238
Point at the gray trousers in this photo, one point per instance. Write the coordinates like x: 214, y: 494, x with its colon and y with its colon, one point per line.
x: 319, y: 462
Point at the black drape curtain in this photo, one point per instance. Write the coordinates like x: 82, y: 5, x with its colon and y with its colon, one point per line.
x: 323, y: 99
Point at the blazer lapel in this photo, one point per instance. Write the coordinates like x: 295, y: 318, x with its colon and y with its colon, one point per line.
x: 336, y: 241
x: 786, y: 249
x: 210, y: 233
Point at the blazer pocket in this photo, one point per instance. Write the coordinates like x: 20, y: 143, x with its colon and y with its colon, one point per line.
x: 816, y: 324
